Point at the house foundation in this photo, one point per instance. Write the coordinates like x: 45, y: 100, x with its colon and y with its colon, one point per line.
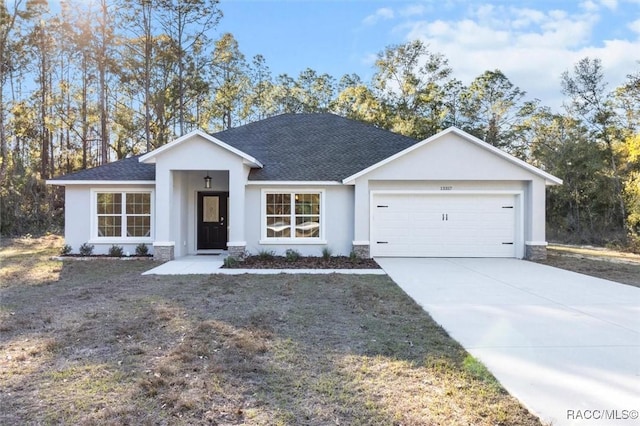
x: 535, y: 251
x: 237, y: 251
x: 361, y: 249
x: 163, y: 252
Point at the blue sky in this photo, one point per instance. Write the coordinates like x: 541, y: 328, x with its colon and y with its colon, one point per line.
x: 532, y: 42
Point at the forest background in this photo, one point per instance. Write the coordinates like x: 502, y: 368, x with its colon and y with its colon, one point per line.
x: 87, y: 85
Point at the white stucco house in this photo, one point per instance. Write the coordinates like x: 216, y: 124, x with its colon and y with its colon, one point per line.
x: 308, y: 182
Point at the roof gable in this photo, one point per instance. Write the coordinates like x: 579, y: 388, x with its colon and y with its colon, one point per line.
x: 441, y: 136
x: 150, y: 157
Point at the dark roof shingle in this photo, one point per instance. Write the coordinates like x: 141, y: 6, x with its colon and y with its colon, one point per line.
x: 128, y: 169
x: 313, y: 147
x: 292, y: 147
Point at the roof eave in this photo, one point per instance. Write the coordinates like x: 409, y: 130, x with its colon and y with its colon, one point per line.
x: 99, y: 182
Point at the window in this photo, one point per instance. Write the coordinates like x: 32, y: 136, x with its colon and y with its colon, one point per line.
x: 123, y: 214
x: 293, y: 215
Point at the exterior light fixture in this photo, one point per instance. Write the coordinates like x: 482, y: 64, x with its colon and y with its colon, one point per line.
x: 207, y: 181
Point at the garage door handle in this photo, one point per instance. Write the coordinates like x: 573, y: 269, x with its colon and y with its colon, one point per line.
x: 382, y: 242
x: 510, y: 244
x: 507, y: 207
x: 380, y: 207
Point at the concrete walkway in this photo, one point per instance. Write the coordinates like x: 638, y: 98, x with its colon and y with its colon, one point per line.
x: 212, y: 265
x: 565, y: 344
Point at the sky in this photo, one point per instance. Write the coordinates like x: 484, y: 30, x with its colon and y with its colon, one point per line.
x: 531, y: 41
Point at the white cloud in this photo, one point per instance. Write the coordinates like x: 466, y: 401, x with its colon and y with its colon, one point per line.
x: 531, y: 47
x: 526, y: 17
x: 589, y: 6
x: 610, y: 4
x: 413, y: 10
x: 384, y: 13
x: 635, y: 26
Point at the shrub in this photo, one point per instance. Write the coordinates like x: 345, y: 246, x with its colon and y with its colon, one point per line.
x: 292, y: 255
x: 65, y: 250
x: 116, y: 251
x: 142, y: 249
x: 86, y: 249
x: 326, y: 253
x: 266, y: 254
x: 353, y: 256
x: 230, y: 262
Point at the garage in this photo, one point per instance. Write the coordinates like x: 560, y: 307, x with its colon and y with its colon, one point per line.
x: 444, y: 224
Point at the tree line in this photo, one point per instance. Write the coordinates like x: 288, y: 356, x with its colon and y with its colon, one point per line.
x: 93, y: 83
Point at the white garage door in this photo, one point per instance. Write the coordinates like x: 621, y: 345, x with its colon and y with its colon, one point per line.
x: 443, y: 225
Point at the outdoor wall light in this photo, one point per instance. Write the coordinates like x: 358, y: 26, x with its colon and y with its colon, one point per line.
x: 207, y: 181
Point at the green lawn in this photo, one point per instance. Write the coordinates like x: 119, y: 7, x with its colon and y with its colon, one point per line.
x: 94, y: 342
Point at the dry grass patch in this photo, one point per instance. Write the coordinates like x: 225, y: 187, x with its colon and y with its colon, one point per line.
x: 602, y: 263
x: 97, y: 343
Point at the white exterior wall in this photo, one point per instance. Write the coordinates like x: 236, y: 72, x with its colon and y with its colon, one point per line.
x: 77, y: 219
x: 457, y: 165
x: 180, y: 174
x: 338, y: 212
x: 80, y: 219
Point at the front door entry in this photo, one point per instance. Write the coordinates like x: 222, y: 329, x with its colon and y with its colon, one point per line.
x: 212, y: 220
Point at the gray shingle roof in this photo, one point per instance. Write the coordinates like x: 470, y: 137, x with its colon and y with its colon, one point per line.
x: 296, y: 147
x: 126, y: 169
x: 313, y: 147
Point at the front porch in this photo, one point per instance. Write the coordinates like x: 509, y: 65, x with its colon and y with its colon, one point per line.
x: 201, y: 215
x: 191, y: 214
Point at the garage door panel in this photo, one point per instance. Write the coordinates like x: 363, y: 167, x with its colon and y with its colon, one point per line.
x: 438, y: 225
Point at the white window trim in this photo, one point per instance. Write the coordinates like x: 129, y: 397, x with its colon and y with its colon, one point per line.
x: 292, y: 240
x: 95, y: 239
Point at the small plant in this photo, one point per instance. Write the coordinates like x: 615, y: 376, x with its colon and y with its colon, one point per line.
x: 86, y: 249
x: 65, y: 250
x: 266, y: 254
x: 292, y: 255
x: 353, y: 256
x: 326, y: 253
x: 142, y: 249
x: 116, y: 251
x: 230, y: 262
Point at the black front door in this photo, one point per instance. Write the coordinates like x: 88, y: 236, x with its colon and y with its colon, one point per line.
x: 212, y: 220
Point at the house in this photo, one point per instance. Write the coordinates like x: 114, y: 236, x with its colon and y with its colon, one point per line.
x: 309, y: 182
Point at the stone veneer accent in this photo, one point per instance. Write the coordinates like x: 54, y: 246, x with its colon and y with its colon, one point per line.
x: 362, y: 251
x: 163, y: 253
x: 237, y: 252
x: 535, y: 252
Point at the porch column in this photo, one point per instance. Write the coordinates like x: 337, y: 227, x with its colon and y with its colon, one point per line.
x: 163, y: 245
x: 361, y: 243
x: 536, y: 243
x: 237, y: 180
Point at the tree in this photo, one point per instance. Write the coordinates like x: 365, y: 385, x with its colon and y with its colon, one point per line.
x: 357, y: 101
x: 230, y: 81
x: 316, y: 91
x: 187, y: 23
x: 492, y: 108
x: 592, y: 104
x: 410, y: 82
x: 578, y: 211
x: 14, y: 25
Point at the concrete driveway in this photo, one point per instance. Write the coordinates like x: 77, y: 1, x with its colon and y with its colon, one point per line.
x: 566, y: 345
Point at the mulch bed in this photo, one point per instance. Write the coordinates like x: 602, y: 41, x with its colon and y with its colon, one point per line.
x: 281, y: 262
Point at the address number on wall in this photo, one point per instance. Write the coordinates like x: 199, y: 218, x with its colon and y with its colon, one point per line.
x: 446, y: 188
